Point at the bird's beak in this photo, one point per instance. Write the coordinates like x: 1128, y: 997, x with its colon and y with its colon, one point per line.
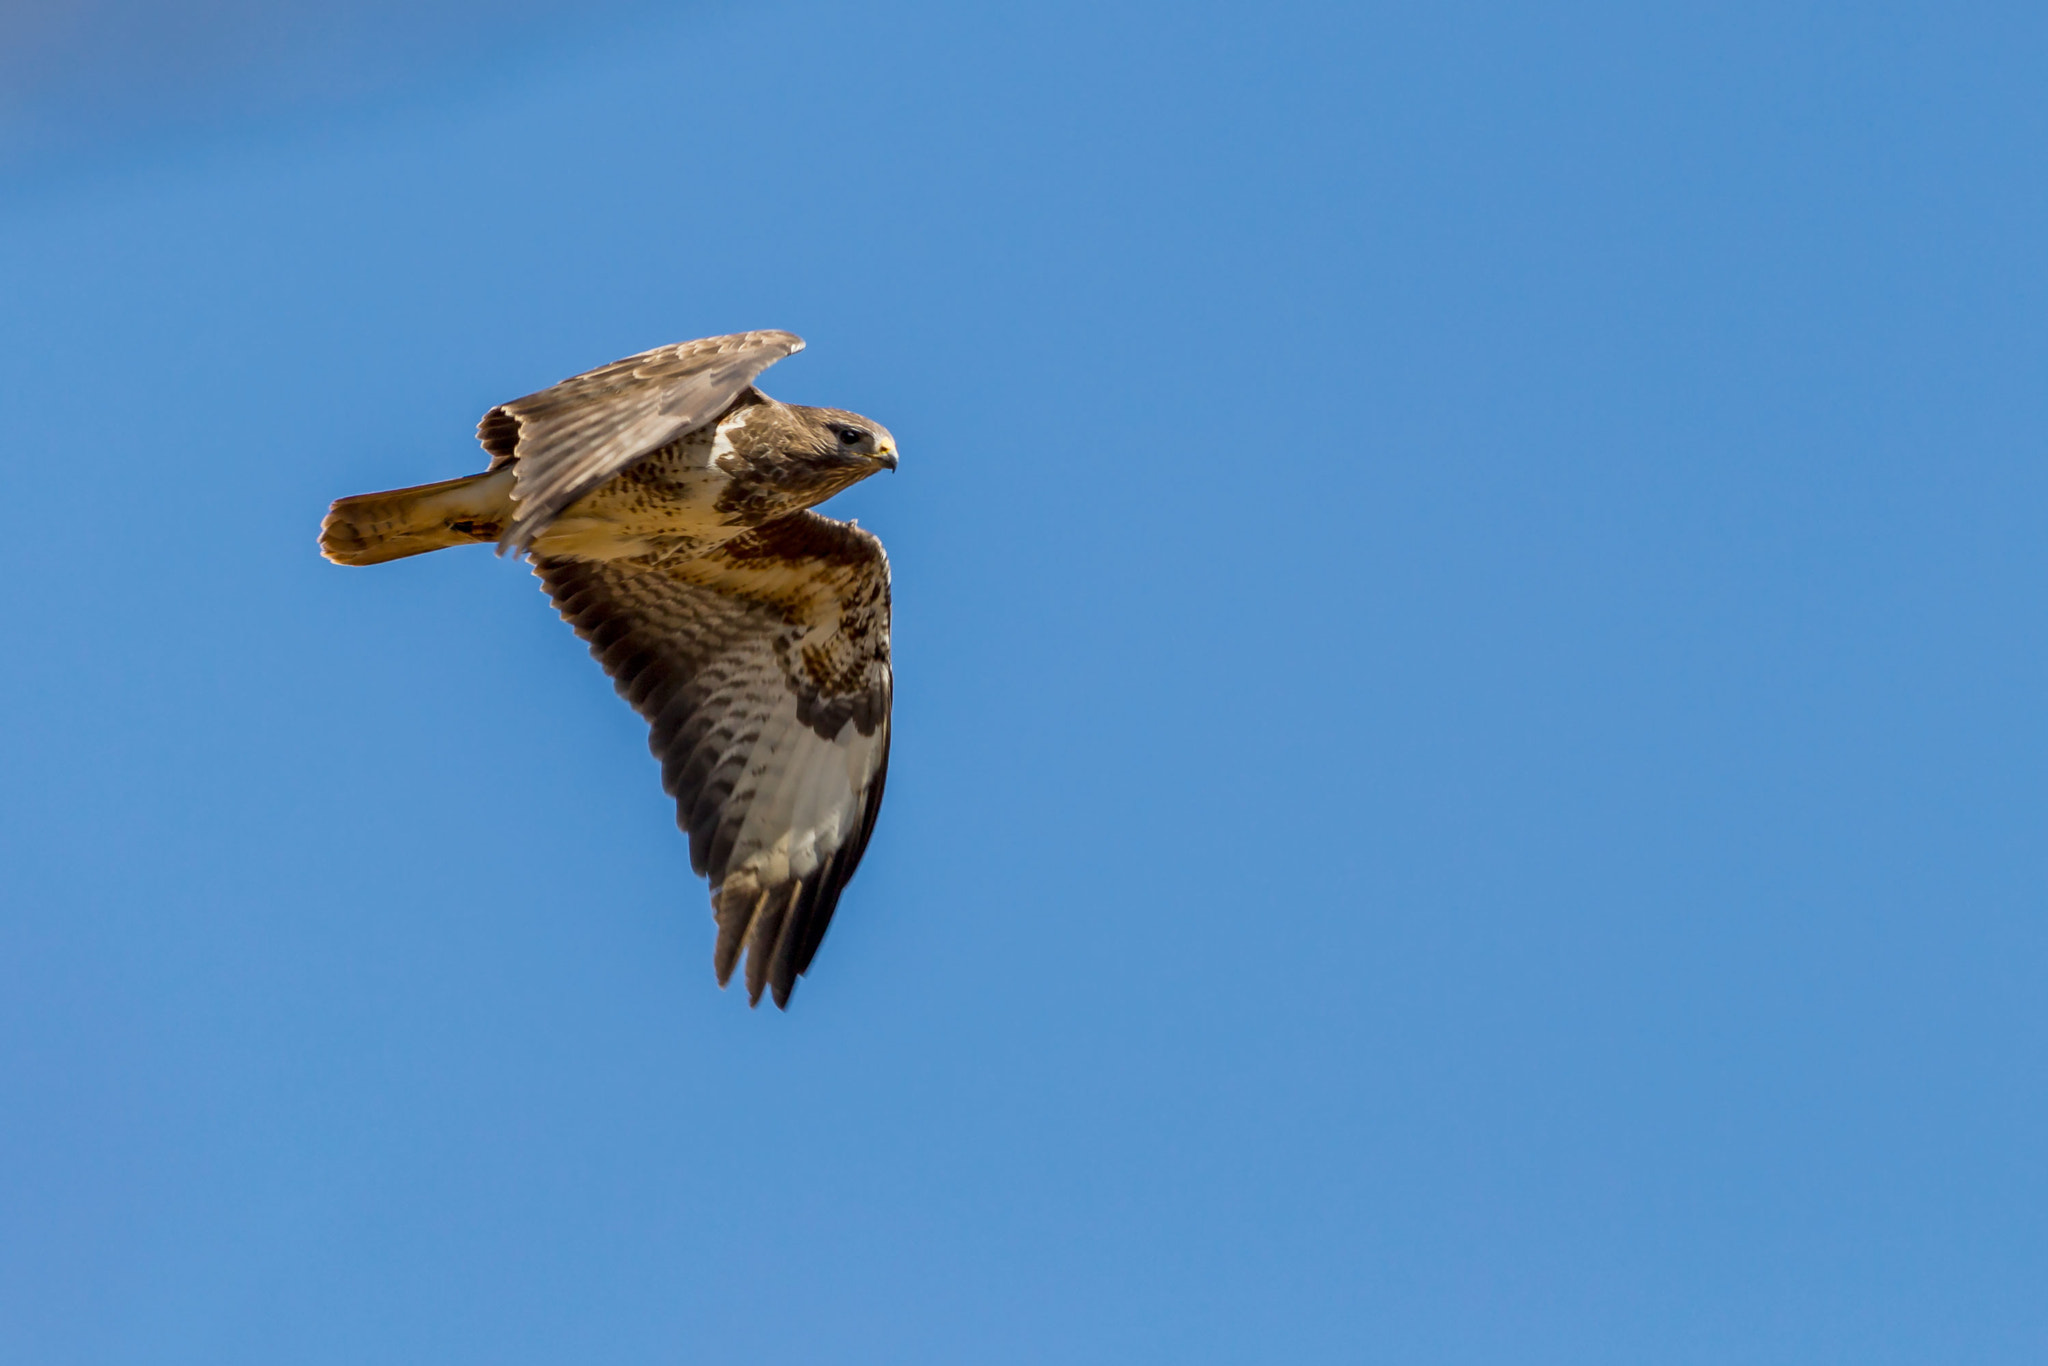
x: 886, y: 457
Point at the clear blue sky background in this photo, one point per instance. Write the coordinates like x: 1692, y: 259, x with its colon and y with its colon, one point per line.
x: 1470, y: 769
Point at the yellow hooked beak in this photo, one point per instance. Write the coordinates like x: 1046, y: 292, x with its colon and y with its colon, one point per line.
x: 885, y: 455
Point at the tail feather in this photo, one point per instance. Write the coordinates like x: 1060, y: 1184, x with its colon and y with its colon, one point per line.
x: 371, y: 528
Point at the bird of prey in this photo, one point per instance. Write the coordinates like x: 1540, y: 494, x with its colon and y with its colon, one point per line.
x: 664, y: 501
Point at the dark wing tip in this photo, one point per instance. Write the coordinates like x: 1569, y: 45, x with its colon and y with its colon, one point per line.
x: 777, y: 929
x: 498, y: 433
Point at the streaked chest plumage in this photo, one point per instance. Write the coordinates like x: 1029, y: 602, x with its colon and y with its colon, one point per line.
x: 685, y: 497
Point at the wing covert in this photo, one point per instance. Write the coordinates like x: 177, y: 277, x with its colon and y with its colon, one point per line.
x: 572, y: 436
x: 763, y: 672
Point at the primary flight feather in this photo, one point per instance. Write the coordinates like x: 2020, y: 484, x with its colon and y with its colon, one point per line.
x: 665, y: 504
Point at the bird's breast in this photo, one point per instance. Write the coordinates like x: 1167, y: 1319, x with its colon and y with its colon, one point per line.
x: 665, y: 503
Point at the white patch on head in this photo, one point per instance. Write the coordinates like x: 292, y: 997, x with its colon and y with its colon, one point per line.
x: 721, y: 443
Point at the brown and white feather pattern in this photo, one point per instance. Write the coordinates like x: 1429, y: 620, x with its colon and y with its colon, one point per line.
x: 763, y: 670
x: 569, y: 438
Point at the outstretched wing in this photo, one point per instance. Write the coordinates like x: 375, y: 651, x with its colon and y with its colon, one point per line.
x: 764, y: 671
x: 572, y: 437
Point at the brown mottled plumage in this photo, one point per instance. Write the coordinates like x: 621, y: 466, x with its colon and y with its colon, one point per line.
x: 664, y: 502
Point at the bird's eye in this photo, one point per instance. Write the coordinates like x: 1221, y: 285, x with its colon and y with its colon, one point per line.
x: 850, y: 436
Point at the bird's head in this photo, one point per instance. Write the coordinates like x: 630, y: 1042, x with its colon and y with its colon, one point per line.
x: 785, y: 451
x: 856, y: 444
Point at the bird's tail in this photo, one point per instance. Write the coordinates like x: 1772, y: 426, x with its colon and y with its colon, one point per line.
x: 371, y: 528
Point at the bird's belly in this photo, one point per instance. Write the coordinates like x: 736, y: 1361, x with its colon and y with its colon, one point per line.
x: 637, y: 514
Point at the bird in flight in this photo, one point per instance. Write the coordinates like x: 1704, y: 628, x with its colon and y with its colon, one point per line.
x: 665, y: 503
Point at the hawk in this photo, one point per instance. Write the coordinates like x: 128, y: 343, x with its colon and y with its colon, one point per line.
x: 665, y: 504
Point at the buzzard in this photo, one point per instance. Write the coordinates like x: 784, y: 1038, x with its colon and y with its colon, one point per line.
x: 665, y: 504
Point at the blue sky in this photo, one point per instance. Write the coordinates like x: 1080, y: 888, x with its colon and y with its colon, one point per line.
x: 1469, y: 769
